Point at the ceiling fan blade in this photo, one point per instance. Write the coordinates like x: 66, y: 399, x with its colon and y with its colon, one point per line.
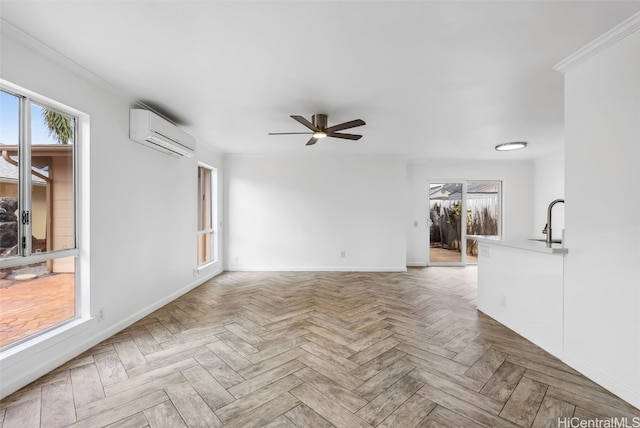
x: 312, y: 141
x: 346, y: 125
x: 345, y: 136
x: 304, y: 121
x: 289, y: 133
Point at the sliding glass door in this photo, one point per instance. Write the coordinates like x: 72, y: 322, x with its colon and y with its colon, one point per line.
x: 456, y: 210
x: 445, y: 223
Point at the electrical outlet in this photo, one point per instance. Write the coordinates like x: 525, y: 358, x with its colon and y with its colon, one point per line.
x: 343, y: 254
x: 100, y: 316
x: 503, y: 302
x: 196, y: 272
x: 415, y: 223
x: 237, y: 259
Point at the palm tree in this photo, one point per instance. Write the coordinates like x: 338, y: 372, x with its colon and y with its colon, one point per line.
x: 60, y: 125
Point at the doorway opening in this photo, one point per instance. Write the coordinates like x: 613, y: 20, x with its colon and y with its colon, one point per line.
x: 459, y: 210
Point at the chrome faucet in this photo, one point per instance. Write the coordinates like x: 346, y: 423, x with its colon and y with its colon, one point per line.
x: 547, y: 227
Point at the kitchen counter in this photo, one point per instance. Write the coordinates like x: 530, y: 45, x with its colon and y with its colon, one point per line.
x: 522, y: 244
x: 520, y: 284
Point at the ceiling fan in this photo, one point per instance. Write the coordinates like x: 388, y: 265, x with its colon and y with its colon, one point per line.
x: 319, y: 127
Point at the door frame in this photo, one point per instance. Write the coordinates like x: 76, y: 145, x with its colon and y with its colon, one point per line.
x: 464, y: 206
x: 463, y: 240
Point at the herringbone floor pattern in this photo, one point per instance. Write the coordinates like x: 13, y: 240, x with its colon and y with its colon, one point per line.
x: 315, y: 350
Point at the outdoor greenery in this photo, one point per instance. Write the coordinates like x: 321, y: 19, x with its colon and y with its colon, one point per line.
x: 445, y: 218
x: 60, y: 125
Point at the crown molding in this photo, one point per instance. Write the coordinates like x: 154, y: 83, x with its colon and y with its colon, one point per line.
x: 27, y: 40
x: 8, y: 29
x: 611, y: 37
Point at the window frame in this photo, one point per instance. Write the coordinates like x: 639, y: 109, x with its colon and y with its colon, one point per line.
x: 202, y: 209
x: 25, y: 254
x: 27, y: 99
x: 464, y: 237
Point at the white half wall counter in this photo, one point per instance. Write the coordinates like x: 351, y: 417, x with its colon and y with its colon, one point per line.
x: 520, y: 284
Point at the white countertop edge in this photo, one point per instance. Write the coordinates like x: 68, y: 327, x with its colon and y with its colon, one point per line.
x: 522, y: 244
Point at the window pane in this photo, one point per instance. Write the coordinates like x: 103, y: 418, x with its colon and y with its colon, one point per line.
x: 205, y: 253
x: 35, y: 298
x: 204, y: 202
x: 9, y: 138
x: 10, y: 121
x: 37, y: 215
x: 483, y: 213
x: 52, y: 187
x: 483, y: 208
x: 445, y: 219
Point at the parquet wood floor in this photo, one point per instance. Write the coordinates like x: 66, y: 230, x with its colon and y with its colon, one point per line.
x: 312, y: 349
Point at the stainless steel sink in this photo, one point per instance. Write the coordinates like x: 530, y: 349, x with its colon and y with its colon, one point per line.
x: 554, y: 241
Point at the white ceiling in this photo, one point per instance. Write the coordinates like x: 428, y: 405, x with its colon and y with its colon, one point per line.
x: 432, y: 79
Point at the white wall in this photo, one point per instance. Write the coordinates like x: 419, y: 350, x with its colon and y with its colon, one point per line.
x: 548, y: 185
x: 517, y: 190
x: 602, y: 268
x: 138, y: 216
x: 300, y: 212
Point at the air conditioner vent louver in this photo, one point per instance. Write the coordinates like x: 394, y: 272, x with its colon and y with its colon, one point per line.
x: 149, y: 129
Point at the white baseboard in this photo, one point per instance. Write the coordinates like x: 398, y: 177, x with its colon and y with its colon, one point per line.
x: 416, y: 264
x: 623, y: 391
x: 314, y: 269
x: 27, y: 362
x: 126, y: 322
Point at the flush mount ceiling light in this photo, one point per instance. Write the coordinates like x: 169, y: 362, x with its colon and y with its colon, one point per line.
x: 319, y: 134
x: 516, y: 145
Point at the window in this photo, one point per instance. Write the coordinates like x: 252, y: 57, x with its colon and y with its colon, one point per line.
x: 207, y: 215
x: 38, y: 211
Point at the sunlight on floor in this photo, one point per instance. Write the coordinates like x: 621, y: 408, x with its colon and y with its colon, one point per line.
x: 31, y: 306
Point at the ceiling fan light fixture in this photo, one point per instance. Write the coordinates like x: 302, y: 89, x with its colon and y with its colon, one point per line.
x: 319, y: 129
x: 319, y: 134
x: 516, y: 145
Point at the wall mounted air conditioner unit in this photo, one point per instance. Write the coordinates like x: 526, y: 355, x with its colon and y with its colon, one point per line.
x: 149, y: 129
